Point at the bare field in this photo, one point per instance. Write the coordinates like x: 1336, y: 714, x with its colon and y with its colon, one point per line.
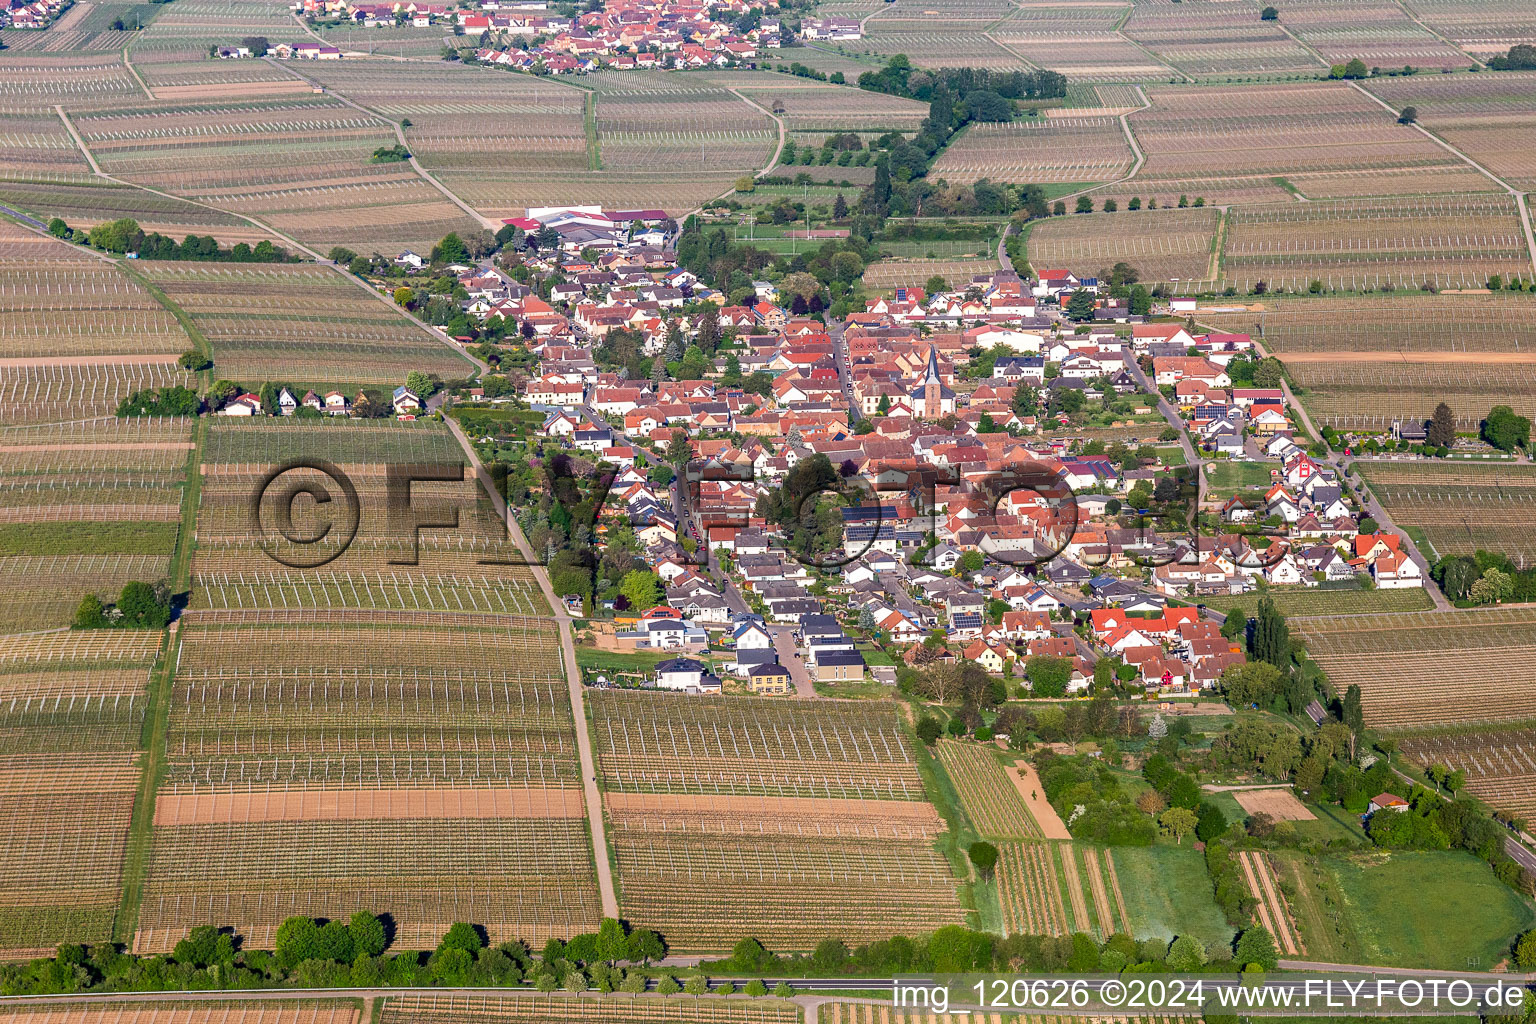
x: 1279, y: 804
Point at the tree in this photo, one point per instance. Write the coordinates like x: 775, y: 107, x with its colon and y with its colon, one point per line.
x: 756, y: 988
x: 142, y: 607
x: 297, y: 940
x: 1525, y: 951
x: 404, y: 297
x: 1210, y: 822
x: 1353, y: 710
x: 783, y: 990
x: 367, y: 934
x: 839, y: 207
x: 1257, y: 946
x: 1268, y: 372
x: 1081, y: 305
x: 1048, y: 676
x: 679, y: 451
x: 642, y: 589
x: 1178, y: 822
x: 1187, y: 953
x: 1271, y: 635
x: 1355, y: 69
x: 645, y: 945
x: 89, y: 614
x: 461, y: 936
x: 1269, y: 14
x: 696, y: 985
x: 984, y: 857
x: 1506, y: 431
x: 1253, y: 682
x: 1442, y: 427
x: 612, y: 943
x: 970, y: 561
x: 928, y: 729
x: 1084, y: 204
x: 1410, y: 115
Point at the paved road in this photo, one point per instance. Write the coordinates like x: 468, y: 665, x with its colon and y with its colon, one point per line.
x: 594, y: 801
x: 789, y: 657
x: 1170, y: 414
x: 844, y: 370
x: 1520, y: 854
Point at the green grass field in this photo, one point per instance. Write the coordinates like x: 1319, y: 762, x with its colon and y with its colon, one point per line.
x: 1230, y: 477
x: 1168, y: 893
x: 1432, y: 910
x: 1303, y: 601
x: 135, y: 538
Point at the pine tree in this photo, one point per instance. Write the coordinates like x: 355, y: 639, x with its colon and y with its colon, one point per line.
x: 1157, y: 728
x: 839, y: 207
x: 1442, y: 427
x: 1271, y: 636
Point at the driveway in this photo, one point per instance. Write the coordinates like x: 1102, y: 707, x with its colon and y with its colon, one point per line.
x: 789, y: 657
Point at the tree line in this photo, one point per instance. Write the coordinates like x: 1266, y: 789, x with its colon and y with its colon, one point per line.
x: 124, y: 236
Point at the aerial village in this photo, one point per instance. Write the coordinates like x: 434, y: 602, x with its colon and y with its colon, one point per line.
x: 817, y: 502
x: 528, y: 36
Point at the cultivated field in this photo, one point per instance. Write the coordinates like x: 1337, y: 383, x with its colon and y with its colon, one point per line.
x: 1060, y: 888
x: 1279, y: 804
x: 303, y: 324
x: 1499, y: 322
x: 1376, y: 31
x: 182, y: 1011
x: 1480, y: 27
x: 809, y: 105
x: 1304, y: 601
x: 890, y: 274
x: 1485, y: 116
x: 56, y: 301
x: 952, y: 41
x: 38, y: 81
x: 301, y: 164
x: 1461, y: 507
x: 1369, y: 390
x: 787, y: 821
x: 410, y: 785
x: 558, y: 1008
x: 1497, y: 761
x: 1272, y: 912
x: 1037, y: 151
x: 1082, y: 42
x: 1029, y: 890
x: 1362, y: 245
x: 1423, y: 668
x: 90, y: 506
x: 988, y: 796
x: 1163, y: 245
x: 1245, y: 144
x: 71, y: 708
x: 84, y: 204
x: 881, y: 1012
x: 473, y: 567
x: 1216, y: 39
x: 630, y: 139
